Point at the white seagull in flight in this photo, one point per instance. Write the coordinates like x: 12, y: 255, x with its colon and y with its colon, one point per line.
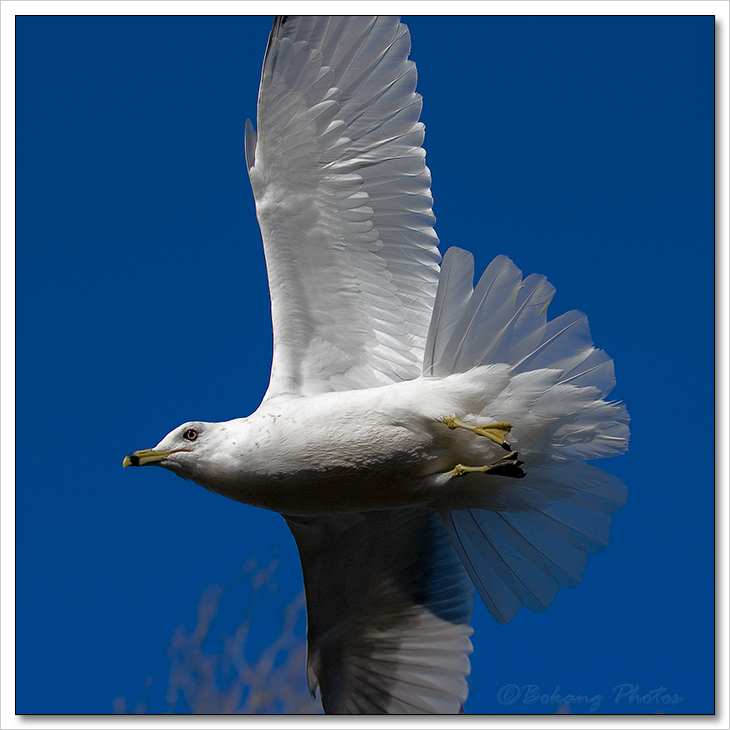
x: 418, y: 434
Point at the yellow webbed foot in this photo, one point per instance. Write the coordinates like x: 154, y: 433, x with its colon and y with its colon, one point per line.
x: 509, y: 466
x: 493, y: 431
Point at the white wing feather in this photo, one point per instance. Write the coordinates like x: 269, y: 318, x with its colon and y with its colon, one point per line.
x: 388, y: 609
x: 343, y: 201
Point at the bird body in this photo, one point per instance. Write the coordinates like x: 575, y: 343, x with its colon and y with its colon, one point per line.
x: 357, y: 450
x: 420, y: 433
x: 367, y: 449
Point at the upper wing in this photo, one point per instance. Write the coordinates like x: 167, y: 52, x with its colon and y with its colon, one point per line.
x: 388, y: 612
x: 343, y: 201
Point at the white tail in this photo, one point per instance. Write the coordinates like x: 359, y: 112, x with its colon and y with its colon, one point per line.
x: 531, y: 535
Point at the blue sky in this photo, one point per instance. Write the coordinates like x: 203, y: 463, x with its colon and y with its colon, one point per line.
x: 581, y: 147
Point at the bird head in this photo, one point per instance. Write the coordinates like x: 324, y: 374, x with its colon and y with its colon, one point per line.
x: 179, y: 451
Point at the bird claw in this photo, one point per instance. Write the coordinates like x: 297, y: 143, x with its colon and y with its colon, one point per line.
x: 508, y: 466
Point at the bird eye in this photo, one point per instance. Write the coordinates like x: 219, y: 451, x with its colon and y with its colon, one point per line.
x: 191, y: 434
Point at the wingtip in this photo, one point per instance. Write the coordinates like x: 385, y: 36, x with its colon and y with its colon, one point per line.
x: 277, y: 25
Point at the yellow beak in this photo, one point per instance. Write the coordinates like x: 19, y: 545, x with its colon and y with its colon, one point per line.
x: 147, y: 456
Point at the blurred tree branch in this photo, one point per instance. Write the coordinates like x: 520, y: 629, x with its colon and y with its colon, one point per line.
x: 236, y: 677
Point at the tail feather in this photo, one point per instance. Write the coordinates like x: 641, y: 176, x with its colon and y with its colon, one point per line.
x: 596, y: 370
x: 525, y: 331
x: 522, y: 556
x: 447, y: 321
x: 567, y: 344
x: 524, y: 539
x: 492, y: 307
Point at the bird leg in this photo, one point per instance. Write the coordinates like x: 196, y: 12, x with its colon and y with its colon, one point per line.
x: 507, y: 466
x: 494, y: 431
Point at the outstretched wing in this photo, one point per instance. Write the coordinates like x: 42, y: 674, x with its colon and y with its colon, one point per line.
x: 388, y: 612
x: 343, y: 200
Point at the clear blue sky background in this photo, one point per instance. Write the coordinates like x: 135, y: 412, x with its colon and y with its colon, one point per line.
x: 581, y: 147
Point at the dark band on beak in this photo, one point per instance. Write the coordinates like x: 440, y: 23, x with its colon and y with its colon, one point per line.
x: 148, y: 456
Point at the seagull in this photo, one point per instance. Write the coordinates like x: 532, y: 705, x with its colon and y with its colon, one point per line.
x: 422, y: 436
